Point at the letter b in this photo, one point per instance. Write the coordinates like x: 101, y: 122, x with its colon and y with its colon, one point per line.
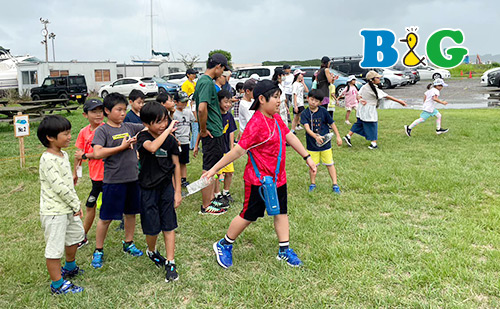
x: 372, y: 49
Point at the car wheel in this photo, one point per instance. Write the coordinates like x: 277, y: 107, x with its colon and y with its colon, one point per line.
x: 387, y: 83
x: 436, y: 76
x: 104, y: 94
x: 161, y: 90
x: 63, y: 96
x: 80, y: 101
x: 339, y: 90
x: 35, y: 97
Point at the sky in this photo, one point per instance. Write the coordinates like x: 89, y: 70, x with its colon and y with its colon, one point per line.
x: 253, y: 31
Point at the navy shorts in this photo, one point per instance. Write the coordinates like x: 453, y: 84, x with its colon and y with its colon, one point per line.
x: 254, y: 206
x: 157, y: 209
x: 119, y: 199
x: 94, y: 193
x: 366, y: 129
x: 184, y: 154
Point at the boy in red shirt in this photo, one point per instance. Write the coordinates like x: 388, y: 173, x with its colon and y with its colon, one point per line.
x: 262, y: 138
x: 93, y: 111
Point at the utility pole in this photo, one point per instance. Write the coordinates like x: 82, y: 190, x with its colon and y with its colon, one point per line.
x: 52, y: 36
x: 152, y: 28
x: 45, y: 33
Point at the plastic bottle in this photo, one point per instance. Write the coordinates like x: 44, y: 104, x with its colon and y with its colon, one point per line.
x: 198, y: 185
x: 326, y: 138
x: 79, y: 171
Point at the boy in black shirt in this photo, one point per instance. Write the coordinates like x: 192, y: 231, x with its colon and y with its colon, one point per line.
x: 159, y: 160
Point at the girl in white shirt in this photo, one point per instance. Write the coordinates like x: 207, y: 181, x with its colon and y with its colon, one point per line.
x: 429, y: 108
x: 298, y: 88
x: 367, y: 122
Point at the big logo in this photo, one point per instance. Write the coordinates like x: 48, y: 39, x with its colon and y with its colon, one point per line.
x: 379, y: 51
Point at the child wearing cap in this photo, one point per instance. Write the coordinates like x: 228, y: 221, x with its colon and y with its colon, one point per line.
x: 429, y: 108
x: 93, y: 111
x: 264, y: 137
x: 298, y: 88
x: 367, y: 117
x: 351, y: 95
x: 185, y: 118
x: 136, y: 101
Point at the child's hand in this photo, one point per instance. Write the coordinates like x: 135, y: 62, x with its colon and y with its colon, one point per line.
x: 172, y: 127
x: 195, y: 151
x: 335, y: 77
x: 78, y: 154
x: 319, y: 139
x: 404, y: 103
x: 445, y: 103
x: 312, y: 165
x: 296, y: 109
x: 128, y: 142
x: 78, y: 213
x: 75, y: 179
x: 362, y: 101
x: 339, y: 141
x: 177, y: 199
x: 208, y: 174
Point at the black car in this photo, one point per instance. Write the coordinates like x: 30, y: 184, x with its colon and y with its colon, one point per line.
x: 411, y: 73
x: 72, y: 87
x: 494, y: 78
x: 349, y: 66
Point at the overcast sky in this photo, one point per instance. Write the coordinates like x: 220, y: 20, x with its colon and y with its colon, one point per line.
x: 253, y: 31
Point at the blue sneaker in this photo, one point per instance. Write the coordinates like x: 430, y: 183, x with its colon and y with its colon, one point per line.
x: 290, y: 257
x: 131, y: 249
x: 66, y: 288
x: 97, y: 259
x: 312, y: 187
x: 67, y: 274
x: 224, y: 254
x: 336, y: 189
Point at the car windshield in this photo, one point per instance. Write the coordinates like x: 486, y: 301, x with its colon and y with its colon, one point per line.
x: 338, y: 72
x: 159, y: 80
x: 147, y: 80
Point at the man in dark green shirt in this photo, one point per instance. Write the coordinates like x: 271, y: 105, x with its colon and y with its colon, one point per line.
x: 210, y: 121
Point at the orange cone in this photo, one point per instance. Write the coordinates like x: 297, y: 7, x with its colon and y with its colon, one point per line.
x: 470, y: 74
x: 461, y: 73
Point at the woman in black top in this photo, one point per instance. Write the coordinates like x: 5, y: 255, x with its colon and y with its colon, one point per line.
x: 324, y: 79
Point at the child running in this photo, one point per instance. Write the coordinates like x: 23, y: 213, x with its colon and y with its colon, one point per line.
x: 317, y: 122
x: 350, y: 93
x: 60, y: 211
x: 429, y: 108
x: 264, y: 137
x: 367, y: 123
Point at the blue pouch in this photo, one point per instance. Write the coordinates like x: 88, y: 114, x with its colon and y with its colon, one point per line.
x: 268, y: 190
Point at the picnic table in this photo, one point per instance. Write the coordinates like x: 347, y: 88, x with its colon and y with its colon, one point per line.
x: 35, y: 109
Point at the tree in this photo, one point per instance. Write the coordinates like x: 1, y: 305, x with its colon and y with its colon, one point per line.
x: 188, y: 60
x: 224, y: 52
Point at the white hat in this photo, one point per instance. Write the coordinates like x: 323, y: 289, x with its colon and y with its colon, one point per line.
x: 351, y: 77
x: 298, y: 71
x: 439, y: 82
x: 255, y: 76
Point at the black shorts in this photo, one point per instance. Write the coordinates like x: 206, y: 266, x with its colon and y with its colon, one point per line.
x: 157, y: 210
x: 254, y: 206
x: 300, y: 108
x: 119, y: 199
x: 213, y: 151
x: 94, y: 193
x: 184, y: 154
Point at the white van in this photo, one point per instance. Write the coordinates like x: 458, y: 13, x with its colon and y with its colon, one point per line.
x: 241, y: 75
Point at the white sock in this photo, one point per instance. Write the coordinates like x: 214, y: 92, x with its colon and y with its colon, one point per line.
x: 225, y: 192
x: 171, y: 262
x: 374, y: 143
x: 217, y: 194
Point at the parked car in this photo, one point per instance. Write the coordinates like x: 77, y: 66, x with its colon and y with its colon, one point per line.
x: 164, y: 86
x: 411, y: 73
x: 241, y: 75
x: 494, y: 78
x: 73, y: 87
x: 427, y: 72
x: 484, y: 78
x: 340, y: 83
x: 177, y: 78
x: 392, y: 78
x: 349, y: 66
x: 127, y: 84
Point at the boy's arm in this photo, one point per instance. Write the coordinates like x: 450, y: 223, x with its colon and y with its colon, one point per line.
x: 76, y: 163
x: 53, y: 175
x: 101, y: 152
x: 231, y: 156
x: 294, y: 141
x: 153, y: 146
x: 196, y: 146
x: 231, y: 141
x: 336, y: 131
x: 316, y: 137
x: 177, y: 184
x: 202, y: 119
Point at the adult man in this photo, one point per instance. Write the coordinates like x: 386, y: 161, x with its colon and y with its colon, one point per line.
x: 210, y: 122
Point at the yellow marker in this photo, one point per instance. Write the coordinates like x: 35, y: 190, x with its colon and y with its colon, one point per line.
x: 411, y: 59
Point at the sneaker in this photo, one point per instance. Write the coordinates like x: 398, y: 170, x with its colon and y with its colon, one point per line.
x: 223, y: 254
x: 171, y: 274
x: 348, y: 122
x: 211, y: 210
x: 66, y: 288
x: 441, y: 131
x: 184, y: 183
x: 97, y: 258
x: 156, y: 257
x: 347, y: 140
x: 312, y: 187
x: 290, y: 257
x: 83, y: 243
x: 408, y: 131
x: 68, y: 274
x: 131, y: 249
x: 298, y: 128
x: 229, y: 197
x: 220, y: 202
x: 373, y: 146
x: 336, y: 189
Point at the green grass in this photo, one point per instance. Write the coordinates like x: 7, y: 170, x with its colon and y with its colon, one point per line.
x: 417, y: 225
x: 476, y: 69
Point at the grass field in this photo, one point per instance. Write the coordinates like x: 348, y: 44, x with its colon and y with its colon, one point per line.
x: 417, y: 225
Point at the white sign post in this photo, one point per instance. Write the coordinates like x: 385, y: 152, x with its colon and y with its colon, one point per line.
x: 21, y: 129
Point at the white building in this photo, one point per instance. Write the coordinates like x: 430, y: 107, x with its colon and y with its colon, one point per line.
x: 157, y: 69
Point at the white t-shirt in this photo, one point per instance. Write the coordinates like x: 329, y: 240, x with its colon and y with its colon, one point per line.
x: 298, y: 91
x: 245, y: 113
x: 429, y: 103
x: 287, y: 83
x: 368, y: 112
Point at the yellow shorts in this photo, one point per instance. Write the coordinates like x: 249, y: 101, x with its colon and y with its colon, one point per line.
x: 325, y: 156
x: 228, y: 169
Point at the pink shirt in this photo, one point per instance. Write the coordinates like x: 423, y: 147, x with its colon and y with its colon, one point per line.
x: 351, y: 96
x: 262, y: 139
x: 84, y: 142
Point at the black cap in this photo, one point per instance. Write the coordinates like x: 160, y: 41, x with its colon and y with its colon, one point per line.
x: 191, y: 71
x: 218, y: 58
x: 325, y: 59
x: 249, y: 84
x: 181, y: 96
x: 279, y: 71
x: 262, y: 87
x: 286, y: 67
x: 91, y: 104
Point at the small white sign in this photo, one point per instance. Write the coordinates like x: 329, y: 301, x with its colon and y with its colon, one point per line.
x: 21, y: 125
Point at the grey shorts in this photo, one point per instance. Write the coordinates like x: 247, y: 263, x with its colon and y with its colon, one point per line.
x: 61, y: 231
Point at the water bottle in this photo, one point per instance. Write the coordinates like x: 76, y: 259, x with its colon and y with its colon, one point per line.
x: 326, y: 138
x: 79, y: 171
x: 198, y: 185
